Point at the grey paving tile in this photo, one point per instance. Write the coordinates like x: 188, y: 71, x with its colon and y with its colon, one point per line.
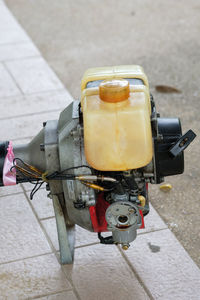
x: 100, y: 272
x: 83, y: 237
x: 32, y: 277
x: 17, y: 51
x: 42, y: 204
x: 164, y: 266
x: 12, y: 35
x: 68, y: 295
x: 9, y: 190
x: 10, y: 30
x: 51, y: 230
x: 19, y: 128
x: 152, y: 222
x: 8, y: 87
x: 33, y: 75
x: 20, y: 233
x: 22, y: 141
x: 32, y: 104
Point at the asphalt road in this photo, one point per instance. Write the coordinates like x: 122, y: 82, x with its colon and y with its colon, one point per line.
x: 161, y: 36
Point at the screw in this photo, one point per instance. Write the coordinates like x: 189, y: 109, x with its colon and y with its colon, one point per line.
x: 42, y: 148
x: 125, y: 246
x: 131, y: 210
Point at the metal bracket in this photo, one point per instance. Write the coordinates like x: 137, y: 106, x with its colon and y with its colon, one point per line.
x: 66, y: 233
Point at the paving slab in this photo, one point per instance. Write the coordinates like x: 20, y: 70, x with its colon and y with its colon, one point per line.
x: 8, y: 86
x: 165, y: 267
x: 10, y: 30
x: 20, y: 233
x: 33, y: 75
x: 42, y: 205
x: 31, y: 278
x: 34, y: 104
x: 51, y: 230
x: 152, y: 222
x: 26, y: 126
x: 17, y: 51
x: 83, y: 237
x: 9, y: 190
x: 100, y: 272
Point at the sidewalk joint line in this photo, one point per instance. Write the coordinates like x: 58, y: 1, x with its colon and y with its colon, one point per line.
x: 24, y: 258
x: 20, y: 58
x: 87, y: 245
x: 29, y: 114
x: 52, y: 294
x: 40, y: 224
x: 135, y: 273
x: 154, y: 230
x: 13, y: 194
x: 47, y: 218
x: 13, y: 78
x: 40, y: 93
x: 19, y: 43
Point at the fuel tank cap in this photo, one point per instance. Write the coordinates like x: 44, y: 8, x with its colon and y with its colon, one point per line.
x: 114, y: 90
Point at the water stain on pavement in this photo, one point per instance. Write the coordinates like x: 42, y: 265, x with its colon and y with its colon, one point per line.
x: 165, y: 89
x: 154, y: 248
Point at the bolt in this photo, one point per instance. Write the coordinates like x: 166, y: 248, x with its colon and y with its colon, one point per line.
x: 42, y: 148
x: 125, y: 246
x: 131, y: 210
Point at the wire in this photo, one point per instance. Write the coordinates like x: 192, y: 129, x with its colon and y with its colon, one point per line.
x: 29, y: 173
x: 59, y: 175
x: 35, y: 189
x: 77, y: 167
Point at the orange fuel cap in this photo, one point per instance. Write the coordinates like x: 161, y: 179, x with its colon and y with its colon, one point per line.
x: 114, y: 90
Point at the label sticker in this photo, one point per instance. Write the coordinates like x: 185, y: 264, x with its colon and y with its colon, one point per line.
x: 71, y: 191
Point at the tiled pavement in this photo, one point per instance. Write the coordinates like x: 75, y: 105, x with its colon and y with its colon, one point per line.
x: 155, y: 267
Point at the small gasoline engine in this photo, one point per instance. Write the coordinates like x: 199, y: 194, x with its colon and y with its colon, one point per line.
x: 99, y: 157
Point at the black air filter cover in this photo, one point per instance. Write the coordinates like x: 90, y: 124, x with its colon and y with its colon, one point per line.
x: 170, y: 131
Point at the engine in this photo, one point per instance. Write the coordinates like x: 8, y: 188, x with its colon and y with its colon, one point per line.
x: 98, y: 159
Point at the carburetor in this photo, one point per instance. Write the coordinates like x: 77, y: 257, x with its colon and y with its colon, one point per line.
x: 99, y: 157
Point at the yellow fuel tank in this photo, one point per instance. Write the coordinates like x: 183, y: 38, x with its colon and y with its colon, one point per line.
x: 116, y: 115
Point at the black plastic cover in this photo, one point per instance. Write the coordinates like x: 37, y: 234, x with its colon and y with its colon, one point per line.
x: 169, y: 130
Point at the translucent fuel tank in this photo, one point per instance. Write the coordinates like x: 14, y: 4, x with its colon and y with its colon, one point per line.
x: 117, y: 128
